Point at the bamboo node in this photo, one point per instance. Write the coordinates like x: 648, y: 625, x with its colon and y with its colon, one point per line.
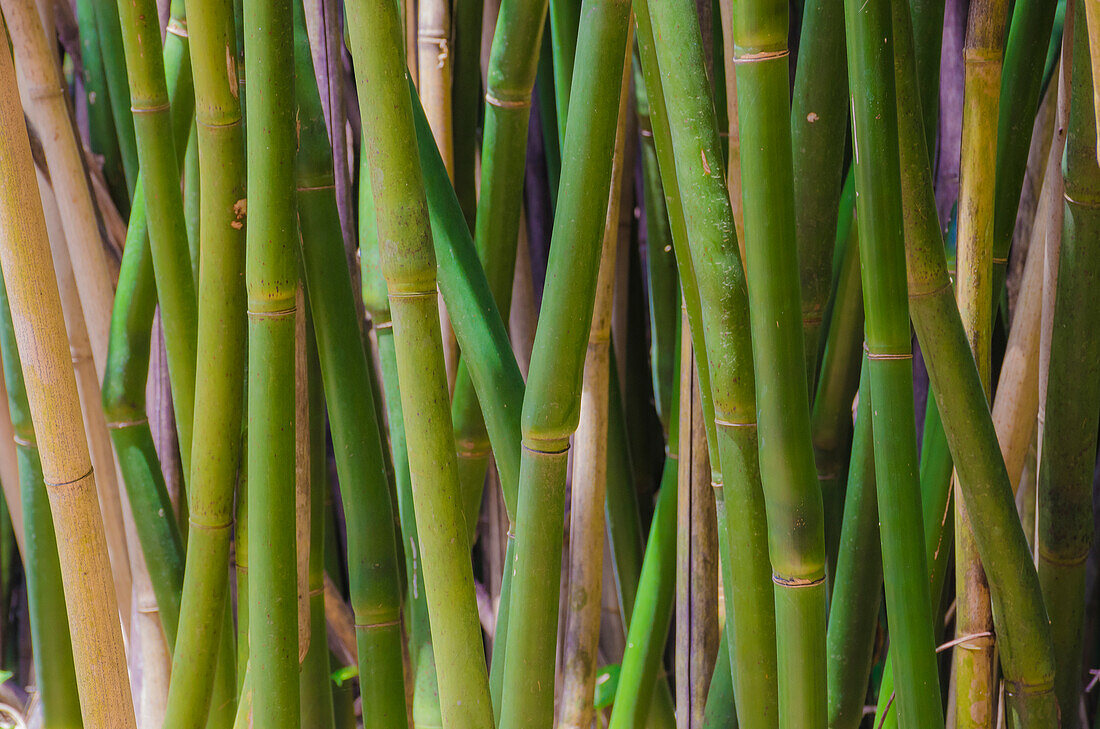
x: 552, y: 452
x: 931, y: 292
x: 311, y: 188
x: 886, y: 356
x: 209, y: 527
x: 377, y: 626
x: 762, y: 56
x: 384, y: 325
x: 796, y: 581
x: 1000, y: 261
x: 177, y: 27
x: 78, y: 479
x: 731, y: 424
x: 508, y: 103
x: 277, y: 314
x: 149, y: 109
x: 1028, y: 688
x: 1080, y: 203
x: 21, y: 441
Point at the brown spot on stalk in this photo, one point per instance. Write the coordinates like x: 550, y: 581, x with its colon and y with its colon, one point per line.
x: 240, y: 210
x: 706, y: 167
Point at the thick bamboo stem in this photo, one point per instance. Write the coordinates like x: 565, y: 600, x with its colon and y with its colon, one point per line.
x: 271, y: 282
x: 51, y: 389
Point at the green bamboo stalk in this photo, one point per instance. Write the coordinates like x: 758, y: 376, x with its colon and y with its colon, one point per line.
x: 819, y: 122
x: 889, y: 362
x: 53, y: 403
x: 663, y: 286
x: 219, y: 389
x: 109, y: 30
x: 795, y: 517
x: 128, y: 366
x: 857, y: 593
x: 101, y: 123
x: 315, y: 685
x: 409, y: 265
x: 55, y: 675
x: 1025, y: 648
x: 831, y: 417
x: 565, y: 17
x: 1021, y: 84
x: 192, y: 195
x: 357, y: 440
x: 167, y: 230
x: 692, y: 132
x: 271, y: 282
x: 1068, y: 448
x: 551, y: 402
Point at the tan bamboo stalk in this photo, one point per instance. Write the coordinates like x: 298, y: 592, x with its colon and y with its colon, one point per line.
x: 1092, y: 19
x: 9, y: 470
x: 149, y: 656
x: 51, y: 388
x: 302, y: 468
x: 341, y: 625
x: 523, y: 315
x: 43, y: 91
x: 95, y: 422
x: 1053, y: 246
x: 433, y: 46
x: 586, y: 530
x: 983, y: 56
x: 1017, y: 402
x: 696, y: 552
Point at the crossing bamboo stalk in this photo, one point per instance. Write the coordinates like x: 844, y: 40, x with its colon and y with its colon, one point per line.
x: 109, y: 30
x: 1025, y: 648
x: 1064, y: 531
x: 54, y: 406
x: 160, y: 180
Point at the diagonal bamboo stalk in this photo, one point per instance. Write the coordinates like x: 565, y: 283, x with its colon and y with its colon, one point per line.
x: 51, y: 390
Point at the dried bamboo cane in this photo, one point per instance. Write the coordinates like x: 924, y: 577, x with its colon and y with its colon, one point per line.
x: 51, y: 387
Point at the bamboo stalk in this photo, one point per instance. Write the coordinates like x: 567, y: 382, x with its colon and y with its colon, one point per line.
x: 710, y: 270
x: 95, y: 424
x: 167, y: 228
x: 819, y: 121
x: 466, y: 101
x: 9, y: 473
x: 1025, y: 648
x: 1064, y: 531
x: 590, y: 464
x: 409, y: 266
x: 882, y: 262
x: 732, y: 131
x: 271, y: 282
x: 109, y: 30
x: 55, y: 674
x: 433, y: 46
x: 351, y: 402
x: 51, y: 389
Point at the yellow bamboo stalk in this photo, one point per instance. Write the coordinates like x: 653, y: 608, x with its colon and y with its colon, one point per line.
x: 586, y: 531
x: 95, y: 423
x: 433, y: 44
x: 1092, y: 20
x: 43, y: 93
x: 54, y: 404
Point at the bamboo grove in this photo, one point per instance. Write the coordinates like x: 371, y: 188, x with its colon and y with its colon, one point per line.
x: 549, y: 364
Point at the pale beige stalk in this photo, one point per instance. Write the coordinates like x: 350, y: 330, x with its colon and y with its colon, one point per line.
x: 95, y: 422
x: 301, y: 470
x: 696, y: 551
x: 43, y: 93
x: 149, y: 656
x: 54, y: 405
x: 586, y: 512
x: 523, y: 316
x: 341, y: 625
x: 433, y: 44
x: 9, y: 471
x: 1092, y: 19
x: 1017, y: 401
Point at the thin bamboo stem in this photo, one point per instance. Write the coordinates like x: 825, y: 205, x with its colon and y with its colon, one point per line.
x: 54, y: 405
x: 590, y: 464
